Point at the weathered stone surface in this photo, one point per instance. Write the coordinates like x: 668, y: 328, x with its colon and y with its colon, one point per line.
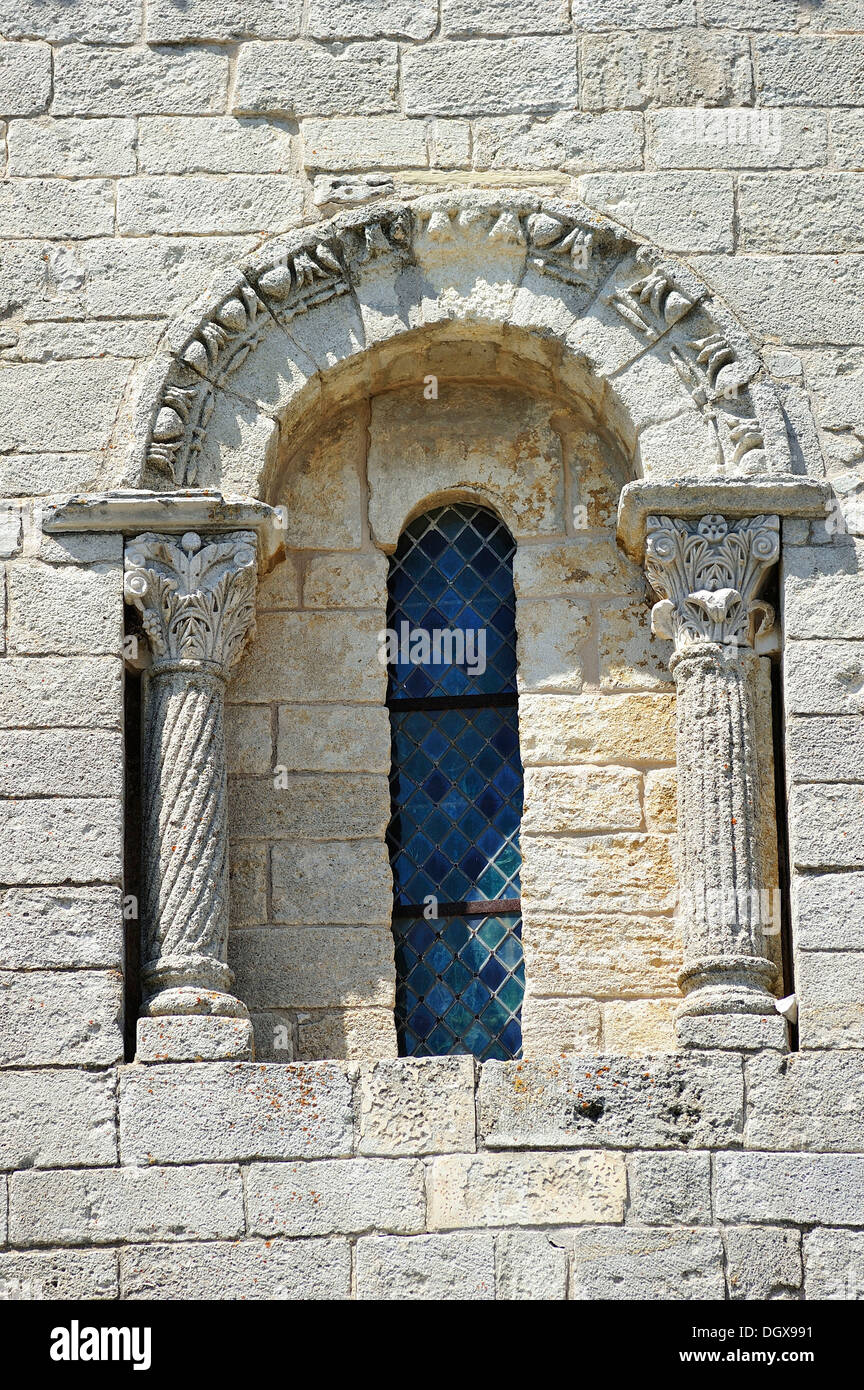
x: 563, y: 877
x: 296, y: 79
x: 633, y: 69
x: 824, y: 677
x: 353, y: 142
x: 490, y: 77
x: 47, y: 762
x: 828, y: 910
x: 333, y: 881
x: 525, y: 1190
x: 558, y: 1027
x: 632, y: 657
x: 314, y: 967
x: 25, y: 75
x: 58, y: 405
x: 249, y: 740
x: 214, y: 19
x: 831, y: 998
x: 100, y: 1206
x: 247, y: 881
x: 682, y: 212
x: 95, y: 81
x: 363, y: 1034
x: 58, y: 1274
x: 422, y: 1106
x: 581, y: 799
x: 316, y: 808
x: 67, y: 147
x: 670, y: 1189
x: 216, y: 1111
x: 61, y: 840
x: 823, y: 1189
x: 823, y: 585
x: 427, y: 1267
x: 65, y: 611
x: 683, y: 1264
x: 336, y: 1197
x: 827, y: 826
x: 661, y: 790
x: 281, y: 587
x: 530, y: 1266
x: 322, y: 492
x: 551, y: 641
x: 596, y: 728
x: 372, y: 19
x: 799, y: 212
x: 60, y: 928
x: 68, y: 1018
x: 586, y: 565
x: 792, y: 290
x: 214, y: 145
x: 743, y: 137
x: 207, y: 206
x: 573, y: 141
x: 814, y: 71
x: 825, y: 750
x: 636, y: 1026
x: 599, y: 953
x: 193, y: 1038
x: 732, y: 1032
x: 321, y: 738
x: 331, y: 657
x: 662, y: 1102
x: 763, y: 1262
x: 56, y: 1119
x: 504, y: 17
x: 251, y: 1269
x: 834, y: 1265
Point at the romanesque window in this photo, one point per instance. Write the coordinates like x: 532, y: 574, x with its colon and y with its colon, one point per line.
x: 456, y: 786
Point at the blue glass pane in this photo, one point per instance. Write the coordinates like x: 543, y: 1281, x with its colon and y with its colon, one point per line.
x: 471, y: 1000
x: 452, y: 605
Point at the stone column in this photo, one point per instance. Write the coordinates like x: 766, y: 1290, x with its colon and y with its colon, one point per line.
x: 708, y: 573
x: 197, y: 600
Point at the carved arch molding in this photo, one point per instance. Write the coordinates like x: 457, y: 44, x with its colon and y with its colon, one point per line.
x: 635, y: 336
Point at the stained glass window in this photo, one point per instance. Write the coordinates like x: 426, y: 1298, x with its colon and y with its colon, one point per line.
x: 455, y: 786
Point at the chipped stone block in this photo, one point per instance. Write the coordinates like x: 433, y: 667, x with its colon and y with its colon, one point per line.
x: 426, y: 1267
x: 335, y: 1197
x: 372, y: 19
x: 659, y: 1102
x: 581, y: 799
x: 650, y: 1265
x: 95, y: 81
x: 25, y: 75
x: 248, y: 1269
x: 58, y: 1274
x: 226, y: 1111
x: 215, y: 19
x: 631, y: 656
x: 763, y: 1262
x: 530, y: 1266
x: 193, y: 1038
x: 809, y: 71
x: 359, y: 142
x: 56, y: 1119
x: 525, y: 1189
x: 62, y: 1017
x: 691, y: 68
x: 636, y: 1026
x: 111, y: 21
x: 670, y: 1189
x: 60, y: 928
x: 247, y: 869
x: 573, y: 141
x: 422, y: 1106
x: 686, y: 212
x: 834, y: 1265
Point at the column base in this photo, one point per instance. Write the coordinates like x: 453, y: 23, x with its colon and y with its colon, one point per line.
x: 734, y: 1032
x: 186, y: 1001
x: 194, y: 1038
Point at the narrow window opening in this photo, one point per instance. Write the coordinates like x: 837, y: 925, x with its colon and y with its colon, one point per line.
x: 132, y: 861
x: 784, y: 867
x: 456, y: 787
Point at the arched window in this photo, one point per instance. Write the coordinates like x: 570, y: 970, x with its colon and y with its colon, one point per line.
x: 456, y: 786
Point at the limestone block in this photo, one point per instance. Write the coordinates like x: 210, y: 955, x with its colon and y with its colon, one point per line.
x: 215, y: 19
x: 322, y: 491
x: 68, y: 610
x: 111, y: 21
x: 335, y: 881
x: 422, y: 1106
x: 805, y: 1101
x: 139, y: 275
x: 332, y: 657
x: 580, y: 799
x: 827, y: 826
x: 491, y: 77
x: 248, y: 1269
x: 682, y: 212
x: 281, y: 587
x: 551, y: 643
x: 483, y: 441
x: 56, y: 1119
x: 828, y: 911
x: 94, y: 81
x: 791, y: 290
x: 372, y: 19
x: 275, y: 1036
x: 799, y: 212
x: 823, y: 590
x: 530, y: 1266
x: 597, y: 728
x: 100, y: 1206
x: 631, y: 656
x: 312, y: 807
x: 607, y: 873
x: 733, y: 1032
x: 636, y: 1026
x: 742, y: 138
x: 807, y: 1189
x: 193, y: 1038
x: 225, y: 1111
x: 824, y: 678
x: 334, y: 738
x: 831, y: 998
x: 504, y: 17
x: 60, y: 404
x: 362, y: 1034
x: 58, y: 1274
x: 649, y: 1265
x: 763, y: 1262
x: 364, y: 142
x: 25, y: 76
x: 61, y: 1017
x: 80, y: 548
x: 203, y: 205
x: 214, y: 145
x: 685, y: 69
x: 61, y: 840
x: 333, y: 1197
x: 834, y: 1265
x: 488, y: 1189
x: 602, y: 953
x: 808, y: 71
x: 684, y: 444
x: 247, y: 871
x: 346, y: 581
x: 596, y: 1102
x: 558, y: 1027
x: 670, y: 1189
x: 47, y: 691
x: 661, y: 793
x: 587, y: 564
x: 48, y: 762
x: 427, y: 1268
x: 314, y: 967
x: 71, y: 147
x: 622, y: 14
x: 61, y: 928
x: 249, y: 739
x: 825, y: 750
x: 301, y: 79
x: 573, y: 141
x: 449, y: 144
x: 847, y: 138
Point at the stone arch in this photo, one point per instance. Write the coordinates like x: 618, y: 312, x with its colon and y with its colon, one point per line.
x: 574, y: 300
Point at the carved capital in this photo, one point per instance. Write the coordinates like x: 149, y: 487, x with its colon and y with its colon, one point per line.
x: 708, y: 573
x: 196, y: 597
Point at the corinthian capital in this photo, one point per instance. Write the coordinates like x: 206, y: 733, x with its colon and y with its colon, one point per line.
x: 708, y: 573
x: 197, y: 598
